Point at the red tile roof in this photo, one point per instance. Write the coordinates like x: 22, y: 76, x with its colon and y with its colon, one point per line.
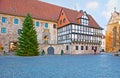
x: 93, y: 23
x: 74, y: 15
x: 41, y: 10
x: 71, y: 15
x: 36, y: 8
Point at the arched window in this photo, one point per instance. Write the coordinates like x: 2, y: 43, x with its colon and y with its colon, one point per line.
x: 84, y: 20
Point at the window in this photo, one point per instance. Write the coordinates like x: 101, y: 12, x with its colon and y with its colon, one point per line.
x: 60, y: 22
x: 16, y: 21
x: 67, y: 48
x: 54, y: 26
x: 3, y: 30
x: 64, y: 20
x: 86, y: 47
x: 19, y: 31
x: 92, y: 47
x: 37, y: 24
x: 84, y: 19
x: 46, y: 25
x: 76, y: 47
x: 82, y: 47
x: 4, y: 19
x: 96, y: 48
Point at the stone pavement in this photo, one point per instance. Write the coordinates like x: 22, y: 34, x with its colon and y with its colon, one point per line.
x: 56, y: 66
x: 6, y: 53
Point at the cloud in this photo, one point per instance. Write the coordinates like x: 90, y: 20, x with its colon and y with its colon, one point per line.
x: 111, y: 4
x: 92, y: 5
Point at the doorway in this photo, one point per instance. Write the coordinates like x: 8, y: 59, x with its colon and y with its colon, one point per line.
x: 13, y: 46
x: 50, y: 51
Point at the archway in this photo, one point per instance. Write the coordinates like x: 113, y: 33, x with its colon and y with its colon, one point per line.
x: 50, y: 51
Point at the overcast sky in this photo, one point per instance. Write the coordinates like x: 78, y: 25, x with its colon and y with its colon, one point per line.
x: 100, y: 9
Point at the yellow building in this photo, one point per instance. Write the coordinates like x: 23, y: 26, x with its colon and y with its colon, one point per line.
x: 113, y: 33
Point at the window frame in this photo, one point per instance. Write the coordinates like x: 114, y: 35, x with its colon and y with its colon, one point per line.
x: 3, y: 30
x: 54, y: 26
x: 67, y: 47
x: 19, y: 31
x: 76, y: 47
x: 82, y: 47
x: 84, y: 20
x: 60, y: 22
x: 86, y: 47
x: 37, y: 23
x: 4, y: 19
x: 64, y: 20
x: 15, y: 21
x: 45, y: 25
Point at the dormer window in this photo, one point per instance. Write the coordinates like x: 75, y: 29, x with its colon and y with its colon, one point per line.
x: 84, y: 20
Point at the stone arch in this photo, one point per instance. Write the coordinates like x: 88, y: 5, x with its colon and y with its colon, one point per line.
x: 50, y: 51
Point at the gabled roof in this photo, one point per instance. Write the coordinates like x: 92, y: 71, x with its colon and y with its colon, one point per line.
x: 37, y: 9
x: 93, y: 23
x: 74, y: 15
x: 41, y: 10
x: 71, y: 15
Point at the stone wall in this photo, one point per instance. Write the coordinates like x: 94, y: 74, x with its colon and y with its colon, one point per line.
x: 71, y: 50
x: 12, y: 30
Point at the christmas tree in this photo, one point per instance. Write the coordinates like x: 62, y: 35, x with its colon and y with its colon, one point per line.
x: 27, y: 42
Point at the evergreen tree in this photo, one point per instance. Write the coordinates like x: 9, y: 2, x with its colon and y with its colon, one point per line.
x: 27, y: 42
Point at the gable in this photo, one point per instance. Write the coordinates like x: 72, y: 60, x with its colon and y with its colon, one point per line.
x: 63, y: 19
x: 115, y: 17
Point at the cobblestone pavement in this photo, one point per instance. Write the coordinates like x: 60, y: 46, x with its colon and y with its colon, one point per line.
x: 66, y: 66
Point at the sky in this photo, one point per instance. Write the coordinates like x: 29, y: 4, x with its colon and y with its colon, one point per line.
x: 100, y: 10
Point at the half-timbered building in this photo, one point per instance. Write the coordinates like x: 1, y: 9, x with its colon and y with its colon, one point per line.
x: 58, y: 28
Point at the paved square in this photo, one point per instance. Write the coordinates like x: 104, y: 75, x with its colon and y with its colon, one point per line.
x: 66, y: 66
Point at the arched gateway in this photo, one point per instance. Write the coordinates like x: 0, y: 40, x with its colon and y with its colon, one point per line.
x: 50, y: 51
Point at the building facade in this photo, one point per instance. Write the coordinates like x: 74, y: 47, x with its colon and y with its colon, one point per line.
x: 103, y: 45
x: 113, y: 33
x: 58, y: 28
x: 12, y: 25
